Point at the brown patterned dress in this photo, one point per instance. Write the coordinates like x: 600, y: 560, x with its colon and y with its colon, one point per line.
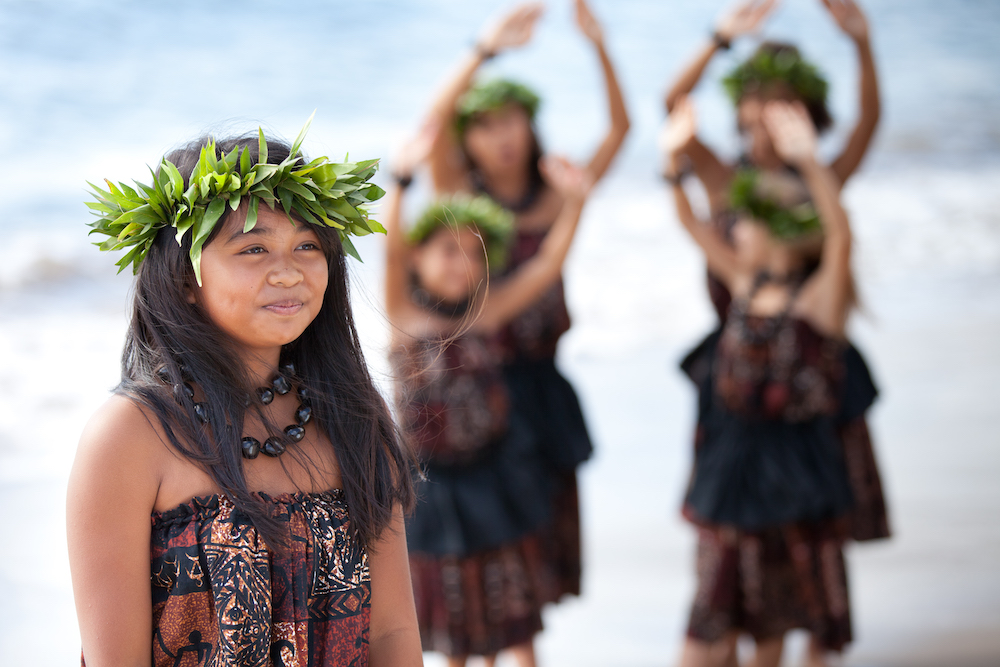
x: 771, y: 492
x: 222, y: 597
x: 479, y: 581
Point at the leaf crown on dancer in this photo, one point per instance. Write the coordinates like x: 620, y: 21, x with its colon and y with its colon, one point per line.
x: 777, y: 64
x: 320, y: 192
x: 494, y: 224
x: 748, y: 196
x: 171, y: 341
x: 492, y: 95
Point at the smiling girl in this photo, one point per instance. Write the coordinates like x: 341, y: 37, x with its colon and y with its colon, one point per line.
x: 239, y: 499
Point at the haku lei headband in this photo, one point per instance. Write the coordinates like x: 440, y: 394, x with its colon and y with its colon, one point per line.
x: 491, y: 95
x: 774, y: 63
x: 783, y: 222
x: 494, y: 224
x: 332, y: 194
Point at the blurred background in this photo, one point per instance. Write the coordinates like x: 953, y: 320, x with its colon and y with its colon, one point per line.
x: 92, y: 89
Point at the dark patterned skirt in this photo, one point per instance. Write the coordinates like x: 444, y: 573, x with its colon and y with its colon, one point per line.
x: 482, y: 603
x: 869, y: 515
x: 769, y: 582
x: 548, y: 402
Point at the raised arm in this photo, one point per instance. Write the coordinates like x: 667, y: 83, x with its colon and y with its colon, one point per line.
x: 612, y: 142
x: 742, y: 19
x: 111, y: 494
x: 519, y: 290
x: 674, y: 139
x: 852, y: 21
x: 447, y: 164
x: 398, y: 253
x: 825, y: 298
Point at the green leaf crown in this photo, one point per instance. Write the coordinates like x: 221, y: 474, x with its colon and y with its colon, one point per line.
x: 491, y: 95
x: 494, y: 224
x: 320, y: 192
x: 784, y: 222
x: 777, y: 63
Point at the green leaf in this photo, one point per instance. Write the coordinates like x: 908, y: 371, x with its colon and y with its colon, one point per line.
x: 176, y: 180
x: 297, y: 145
x: 261, y: 147
x: 349, y: 248
x: 300, y: 190
x: 245, y: 162
x: 251, y: 220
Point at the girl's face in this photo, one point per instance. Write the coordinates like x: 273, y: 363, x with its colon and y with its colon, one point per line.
x: 752, y: 241
x: 500, y: 140
x: 264, y: 287
x: 750, y: 118
x: 451, y: 263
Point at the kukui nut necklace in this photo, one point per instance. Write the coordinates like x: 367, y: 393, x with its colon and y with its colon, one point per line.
x: 273, y: 446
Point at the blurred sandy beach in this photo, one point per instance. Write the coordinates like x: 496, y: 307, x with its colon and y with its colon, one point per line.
x: 89, y: 90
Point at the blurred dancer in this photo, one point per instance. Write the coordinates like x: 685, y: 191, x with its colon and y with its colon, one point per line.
x: 478, y: 571
x: 770, y: 492
x: 778, y: 72
x: 494, y: 150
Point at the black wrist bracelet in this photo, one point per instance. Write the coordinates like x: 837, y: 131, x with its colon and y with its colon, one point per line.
x: 720, y: 41
x: 484, y: 53
x: 403, y: 180
x: 678, y: 178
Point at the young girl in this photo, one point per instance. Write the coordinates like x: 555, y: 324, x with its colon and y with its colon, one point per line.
x: 494, y: 150
x: 779, y: 72
x: 770, y: 489
x: 239, y: 500
x: 473, y: 537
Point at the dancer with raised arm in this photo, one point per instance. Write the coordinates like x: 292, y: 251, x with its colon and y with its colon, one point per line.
x: 493, y: 149
x: 478, y: 572
x: 240, y: 498
x: 777, y: 71
x: 770, y: 492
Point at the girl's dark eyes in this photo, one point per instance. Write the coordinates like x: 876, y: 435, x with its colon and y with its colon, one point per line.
x: 256, y: 250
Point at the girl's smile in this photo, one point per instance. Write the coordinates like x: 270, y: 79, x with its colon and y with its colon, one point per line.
x: 265, y: 286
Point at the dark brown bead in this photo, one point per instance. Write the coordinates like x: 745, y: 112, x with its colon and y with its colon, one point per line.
x: 250, y: 447
x: 303, y: 415
x: 295, y: 433
x: 273, y: 447
x: 288, y: 369
x: 281, y: 385
x: 303, y: 393
x: 265, y: 395
x: 201, y: 411
x: 164, y: 375
x: 182, y: 390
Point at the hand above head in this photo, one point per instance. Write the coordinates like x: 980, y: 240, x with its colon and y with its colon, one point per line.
x: 588, y: 23
x: 791, y: 131
x: 744, y: 18
x: 849, y: 17
x: 416, y: 150
x: 514, y: 29
x: 566, y: 178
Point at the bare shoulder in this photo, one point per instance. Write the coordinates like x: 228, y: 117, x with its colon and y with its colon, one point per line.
x: 122, y: 444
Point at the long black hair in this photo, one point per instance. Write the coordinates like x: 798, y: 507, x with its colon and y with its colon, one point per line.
x: 171, y: 341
